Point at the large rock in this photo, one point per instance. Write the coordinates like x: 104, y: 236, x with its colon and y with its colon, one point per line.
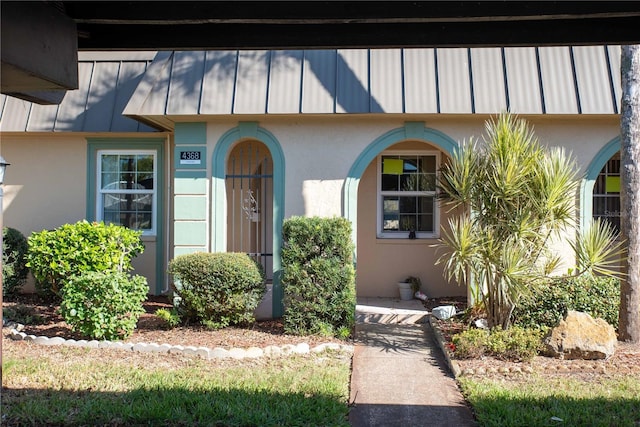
x: 580, y: 336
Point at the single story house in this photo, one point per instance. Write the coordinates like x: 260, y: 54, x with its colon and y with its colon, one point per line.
x: 212, y: 151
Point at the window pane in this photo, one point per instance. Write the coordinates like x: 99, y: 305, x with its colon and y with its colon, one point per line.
x: 109, y: 163
x: 127, y: 163
x: 408, y: 182
x: 145, y: 180
x: 408, y: 205
x: 425, y: 223
x: 407, y: 222
x: 145, y: 163
x: 410, y: 165
x: 389, y: 182
x: 425, y: 205
x: 428, y: 164
x: 391, y: 213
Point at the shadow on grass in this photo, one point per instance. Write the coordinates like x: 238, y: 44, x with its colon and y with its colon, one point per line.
x: 170, y: 407
x: 557, y: 410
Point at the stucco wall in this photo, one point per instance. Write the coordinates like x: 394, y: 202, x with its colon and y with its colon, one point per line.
x: 320, y: 151
x: 46, y: 186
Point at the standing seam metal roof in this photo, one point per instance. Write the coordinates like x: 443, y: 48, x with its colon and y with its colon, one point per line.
x: 115, y: 88
x: 527, y: 80
x: 106, y: 82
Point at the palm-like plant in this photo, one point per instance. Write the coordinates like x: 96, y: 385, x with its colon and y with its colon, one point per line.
x: 517, y: 197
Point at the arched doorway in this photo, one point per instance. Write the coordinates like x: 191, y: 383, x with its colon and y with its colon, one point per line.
x: 249, y: 192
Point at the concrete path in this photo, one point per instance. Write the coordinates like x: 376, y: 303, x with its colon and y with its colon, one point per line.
x: 399, y: 375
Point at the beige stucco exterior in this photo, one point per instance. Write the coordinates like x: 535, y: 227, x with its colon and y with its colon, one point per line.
x: 46, y: 187
x: 320, y: 151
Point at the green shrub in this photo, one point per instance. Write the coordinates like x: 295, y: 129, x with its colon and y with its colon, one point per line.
x: 171, y: 317
x: 515, y: 343
x: 71, y: 249
x: 318, y: 278
x: 103, y: 305
x: 548, y: 304
x: 14, y: 263
x: 217, y: 289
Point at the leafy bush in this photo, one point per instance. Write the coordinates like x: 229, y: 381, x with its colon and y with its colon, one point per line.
x: 515, y: 343
x: 103, y: 305
x: 217, y: 289
x: 171, y: 317
x: 71, y: 249
x: 14, y: 264
x: 319, y: 278
x: 548, y: 304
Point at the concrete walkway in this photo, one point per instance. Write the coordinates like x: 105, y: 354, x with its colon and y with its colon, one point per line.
x: 399, y: 375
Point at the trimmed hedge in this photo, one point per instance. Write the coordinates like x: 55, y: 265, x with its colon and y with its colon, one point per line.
x: 319, y: 277
x: 514, y: 344
x: 14, y: 263
x: 548, y: 304
x: 72, y: 249
x: 217, y: 289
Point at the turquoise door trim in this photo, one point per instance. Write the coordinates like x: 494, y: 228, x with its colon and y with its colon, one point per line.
x: 157, y: 144
x: 250, y: 130
x: 589, y: 180
x: 410, y: 131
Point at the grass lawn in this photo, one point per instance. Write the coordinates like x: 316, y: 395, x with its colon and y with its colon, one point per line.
x: 71, y: 386
x: 560, y: 401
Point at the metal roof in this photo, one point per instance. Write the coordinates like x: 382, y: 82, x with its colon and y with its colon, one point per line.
x: 106, y: 82
x: 527, y: 80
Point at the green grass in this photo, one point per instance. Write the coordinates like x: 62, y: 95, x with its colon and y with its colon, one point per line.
x: 536, y: 401
x: 73, y: 390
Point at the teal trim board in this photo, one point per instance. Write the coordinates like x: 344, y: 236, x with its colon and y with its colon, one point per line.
x: 156, y: 144
x: 190, y: 133
x: 591, y: 174
x: 410, y: 131
x: 246, y: 130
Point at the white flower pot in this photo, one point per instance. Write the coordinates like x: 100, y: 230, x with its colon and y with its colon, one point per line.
x: 406, y: 293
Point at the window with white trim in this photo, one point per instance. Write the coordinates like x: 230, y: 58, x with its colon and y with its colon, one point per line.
x: 127, y: 189
x: 606, y: 193
x: 407, y: 205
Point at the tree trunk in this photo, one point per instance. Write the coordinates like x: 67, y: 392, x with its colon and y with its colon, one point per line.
x: 629, y: 327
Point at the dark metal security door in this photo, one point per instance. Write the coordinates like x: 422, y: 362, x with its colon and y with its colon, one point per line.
x: 249, y: 184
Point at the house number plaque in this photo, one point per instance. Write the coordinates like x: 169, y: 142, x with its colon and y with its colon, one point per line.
x: 190, y: 158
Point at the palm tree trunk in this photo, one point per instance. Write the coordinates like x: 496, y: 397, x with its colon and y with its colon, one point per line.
x: 629, y: 320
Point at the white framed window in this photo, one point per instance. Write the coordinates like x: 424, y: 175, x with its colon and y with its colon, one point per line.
x: 606, y: 193
x: 407, y: 205
x: 127, y: 189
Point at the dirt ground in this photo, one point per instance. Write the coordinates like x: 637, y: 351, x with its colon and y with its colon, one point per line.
x: 151, y: 329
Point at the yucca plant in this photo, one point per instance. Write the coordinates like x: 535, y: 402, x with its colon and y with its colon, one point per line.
x: 517, y: 197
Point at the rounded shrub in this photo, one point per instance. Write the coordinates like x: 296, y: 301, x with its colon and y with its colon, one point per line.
x: 103, y: 305
x: 549, y: 303
x: 14, y: 263
x: 217, y: 289
x: 71, y: 249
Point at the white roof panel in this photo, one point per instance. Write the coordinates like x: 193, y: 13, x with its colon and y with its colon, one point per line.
x: 352, y: 69
x: 285, y: 81
x: 420, y: 89
x: 454, y: 83
x: 592, y: 76
x: 319, y: 81
x: 558, y: 86
x: 522, y: 80
x: 488, y: 80
x: 386, y: 81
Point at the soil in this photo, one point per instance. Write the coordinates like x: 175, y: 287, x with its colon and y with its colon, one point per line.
x: 151, y: 329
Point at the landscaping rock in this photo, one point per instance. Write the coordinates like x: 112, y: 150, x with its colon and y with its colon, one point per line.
x: 444, y: 312
x: 580, y: 336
